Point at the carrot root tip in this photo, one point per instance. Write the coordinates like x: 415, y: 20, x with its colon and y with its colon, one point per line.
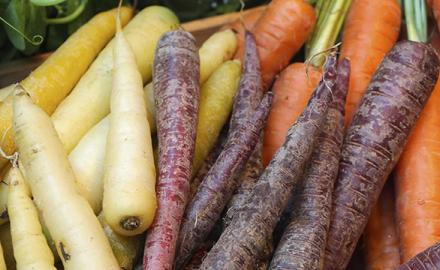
x: 130, y: 223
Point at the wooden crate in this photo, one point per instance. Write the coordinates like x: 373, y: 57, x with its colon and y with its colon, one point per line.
x: 201, y: 29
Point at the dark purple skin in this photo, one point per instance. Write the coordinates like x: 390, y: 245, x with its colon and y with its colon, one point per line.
x: 250, y: 87
x: 375, y: 139
x: 176, y: 90
x: 216, y: 189
x: 303, y: 242
x: 208, y: 162
x: 247, y: 179
x: 429, y: 259
x: 242, y: 243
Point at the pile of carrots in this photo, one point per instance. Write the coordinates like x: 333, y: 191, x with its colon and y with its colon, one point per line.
x: 132, y: 148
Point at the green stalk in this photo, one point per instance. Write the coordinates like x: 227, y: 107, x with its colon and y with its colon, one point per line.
x: 69, y: 17
x: 36, y: 39
x: 327, y: 31
x: 416, y: 20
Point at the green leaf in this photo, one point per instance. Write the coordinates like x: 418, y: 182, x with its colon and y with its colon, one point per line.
x: 35, y: 25
x: 14, y: 14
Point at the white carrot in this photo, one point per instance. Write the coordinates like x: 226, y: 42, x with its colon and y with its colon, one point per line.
x: 87, y: 161
x: 2, y: 259
x: 31, y: 250
x: 129, y: 201
x: 79, y: 238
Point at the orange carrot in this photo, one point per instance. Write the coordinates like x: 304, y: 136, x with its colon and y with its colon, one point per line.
x: 381, y: 240
x: 371, y: 29
x: 247, y: 21
x: 291, y: 91
x: 417, y: 183
x: 280, y: 33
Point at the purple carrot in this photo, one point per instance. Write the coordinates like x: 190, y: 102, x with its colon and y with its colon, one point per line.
x: 243, y: 241
x: 429, y: 259
x: 247, y: 179
x: 216, y: 189
x: 208, y: 162
x: 176, y: 91
x: 251, y: 85
x: 375, y: 139
x: 303, y: 242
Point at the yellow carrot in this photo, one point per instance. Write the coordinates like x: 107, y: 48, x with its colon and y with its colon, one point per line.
x: 49, y: 84
x: 89, y: 101
x: 31, y: 250
x: 216, y: 99
x: 218, y: 48
x: 79, y: 238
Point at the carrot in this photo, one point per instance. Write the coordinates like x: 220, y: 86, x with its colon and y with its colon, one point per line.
x: 380, y: 236
x: 435, y: 5
x: 216, y: 189
x: 5, y: 91
x: 303, y: 242
x: 219, y: 183
x: 216, y: 101
x: 208, y: 162
x: 393, y: 101
x: 125, y: 248
x: 89, y: 101
x: 417, y: 199
x: 280, y: 33
x: 176, y: 90
x: 53, y: 187
x: 130, y: 174
x: 54, y: 79
x: 4, y: 190
x: 243, y: 241
x: 87, y: 160
x: 427, y: 259
x: 247, y: 179
x: 6, y: 242
x: 287, y: 105
x: 217, y: 49
x: 31, y: 250
x: 247, y: 20
x: 371, y: 29
x: 2, y: 259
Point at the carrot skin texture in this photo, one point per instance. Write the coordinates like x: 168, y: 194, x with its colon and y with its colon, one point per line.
x: 280, y: 33
x: 292, y: 90
x: 427, y: 259
x: 250, y: 87
x: 242, y: 137
x: 176, y: 88
x: 375, y: 139
x: 303, y: 242
x: 247, y: 179
x: 371, y: 29
x: 417, y: 177
x: 208, y: 163
x: 216, y: 189
x: 244, y: 240
x: 380, y: 236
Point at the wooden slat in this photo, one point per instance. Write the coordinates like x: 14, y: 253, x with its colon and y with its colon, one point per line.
x: 15, y: 71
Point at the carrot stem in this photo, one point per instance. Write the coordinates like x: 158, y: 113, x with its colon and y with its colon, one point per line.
x: 416, y: 20
x: 330, y: 19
